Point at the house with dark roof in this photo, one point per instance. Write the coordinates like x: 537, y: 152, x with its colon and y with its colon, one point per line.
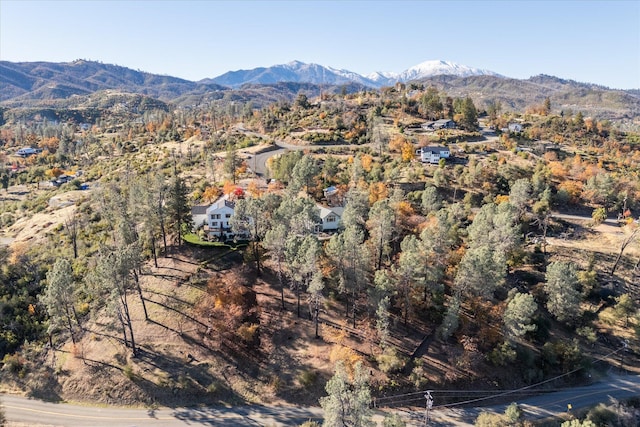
x: 218, y: 216
x: 439, y: 124
x: 433, y: 154
x: 199, y: 216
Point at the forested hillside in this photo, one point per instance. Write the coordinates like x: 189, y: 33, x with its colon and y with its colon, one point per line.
x: 509, y: 261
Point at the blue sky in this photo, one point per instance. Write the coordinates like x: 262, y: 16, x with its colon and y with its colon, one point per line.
x: 588, y: 41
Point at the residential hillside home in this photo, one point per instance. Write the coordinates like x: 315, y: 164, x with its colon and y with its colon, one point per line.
x: 330, y: 217
x: 439, y: 124
x: 433, y: 154
x: 199, y: 216
x: 214, y: 219
x: 515, y: 127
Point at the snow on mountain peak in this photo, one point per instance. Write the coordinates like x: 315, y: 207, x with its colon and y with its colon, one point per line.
x: 439, y: 67
x: 299, y: 71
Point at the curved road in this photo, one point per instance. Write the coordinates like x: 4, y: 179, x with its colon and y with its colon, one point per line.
x: 35, y: 412
x: 551, y: 405
x: 259, y: 161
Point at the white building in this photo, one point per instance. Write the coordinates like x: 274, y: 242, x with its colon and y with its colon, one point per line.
x: 199, y: 216
x: 217, y: 218
x: 433, y: 154
x: 515, y: 127
x: 330, y: 217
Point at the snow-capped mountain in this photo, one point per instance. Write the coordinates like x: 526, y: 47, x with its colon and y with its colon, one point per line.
x: 437, y: 67
x: 383, y: 77
x: 294, y: 71
x: 297, y: 71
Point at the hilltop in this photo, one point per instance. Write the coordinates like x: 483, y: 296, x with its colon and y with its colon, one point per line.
x: 73, y: 85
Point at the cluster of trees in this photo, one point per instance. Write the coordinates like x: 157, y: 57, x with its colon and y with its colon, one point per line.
x: 444, y: 254
x: 135, y: 221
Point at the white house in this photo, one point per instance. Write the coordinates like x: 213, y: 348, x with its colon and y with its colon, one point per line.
x: 433, y: 154
x: 26, y: 152
x: 199, y: 216
x: 515, y: 127
x: 330, y: 217
x: 439, y: 124
x: 217, y: 218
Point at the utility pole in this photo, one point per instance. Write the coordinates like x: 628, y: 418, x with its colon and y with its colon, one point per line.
x: 427, y: 410
x: 625, y: 344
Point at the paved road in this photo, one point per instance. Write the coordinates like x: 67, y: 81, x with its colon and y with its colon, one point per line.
x: 259, y: 162
x: 547, y: 405
x: 34, y: 412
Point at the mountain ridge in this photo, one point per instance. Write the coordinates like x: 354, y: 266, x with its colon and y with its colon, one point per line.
x: 58, y: 85
x: 315, y: 73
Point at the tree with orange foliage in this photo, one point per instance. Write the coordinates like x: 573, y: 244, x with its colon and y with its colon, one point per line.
x: 210, y: 194
x: 397, y: 142
x: 49, y: 144
x: 572, y: 189
x: 377, y: 191
x: 253, y: 189
x: 55, y: 172
x: 367, y: 162
x: 228, y: 188
x: 230, y: 311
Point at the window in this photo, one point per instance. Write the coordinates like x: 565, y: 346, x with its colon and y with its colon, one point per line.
x: 227, y: 215
x: 215, y: 216
x: 331, y: 218
x: 214, y: 224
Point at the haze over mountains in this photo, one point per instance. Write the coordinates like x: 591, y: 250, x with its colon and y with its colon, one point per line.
x: 92, y: 84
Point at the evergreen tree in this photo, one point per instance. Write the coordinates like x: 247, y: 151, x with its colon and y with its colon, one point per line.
x: 381, y: 226
x: 303, y: 175
x: 59, y: 298
x: 178, y: 211
x: 347, y: 402
x: 430, y: 200
x: 561, y: 288
x: 518, y: 315
x: 231, y: 162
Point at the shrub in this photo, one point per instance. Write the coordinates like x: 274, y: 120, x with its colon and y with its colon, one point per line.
x: 308, y: 377
x: 389, y: 361
x: 503, y: 354
x: 602, y: 416
x: 13, y: 363
x: 247, y: 332
x: 128, y: 372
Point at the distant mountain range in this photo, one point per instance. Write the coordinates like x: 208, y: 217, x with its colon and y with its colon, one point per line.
x: 297, y: 71
x: 91, y: 84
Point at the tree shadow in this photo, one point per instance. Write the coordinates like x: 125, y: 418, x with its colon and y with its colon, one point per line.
x: 183, y: 379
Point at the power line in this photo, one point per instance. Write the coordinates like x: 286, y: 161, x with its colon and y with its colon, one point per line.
x: 417, y: 396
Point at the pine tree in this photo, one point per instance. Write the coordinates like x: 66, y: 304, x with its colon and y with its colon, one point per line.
x: 178, y: 211
x: 347, y: 402
x: 561, y: 288
x: 59, y: 298
x: 518, y: 315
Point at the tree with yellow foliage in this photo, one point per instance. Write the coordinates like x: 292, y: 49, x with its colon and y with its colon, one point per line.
x: 408, y: 152
x: 397, y: 142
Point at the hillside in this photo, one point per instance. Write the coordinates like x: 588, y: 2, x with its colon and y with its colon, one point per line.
x: 518, y: 95
x: 506, y: 258
x: 28, y: 82
x: 67, y: 85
